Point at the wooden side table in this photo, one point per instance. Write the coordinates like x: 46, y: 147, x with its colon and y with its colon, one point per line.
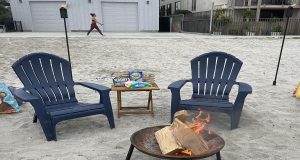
x: 133, y: 110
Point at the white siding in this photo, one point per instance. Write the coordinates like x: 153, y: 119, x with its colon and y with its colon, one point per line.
x: 149, y: 17
x: 46, y: 18
x: 79, y: 13
x: 21, y: 12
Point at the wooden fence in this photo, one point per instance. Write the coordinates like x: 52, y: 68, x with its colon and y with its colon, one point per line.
x: 263, y: 27
x: 196, y: 25
x: 200, y: 22
x: 237, y: 27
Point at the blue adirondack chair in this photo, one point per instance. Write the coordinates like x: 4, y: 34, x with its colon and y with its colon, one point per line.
x: 213, y: 75
x: 49, y: 87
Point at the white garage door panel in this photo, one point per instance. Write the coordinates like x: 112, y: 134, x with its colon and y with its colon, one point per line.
x: 120, y: 16
x: 46, y: 16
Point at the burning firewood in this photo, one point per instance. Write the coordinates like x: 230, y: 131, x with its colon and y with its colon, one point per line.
x: 188, y: 138
x: 167, y: 142
x: 183, y: 137
x: 181, y: 115
x: 184, y: 153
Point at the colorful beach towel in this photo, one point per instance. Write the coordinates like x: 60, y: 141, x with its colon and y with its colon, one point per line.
x: 7, y: 100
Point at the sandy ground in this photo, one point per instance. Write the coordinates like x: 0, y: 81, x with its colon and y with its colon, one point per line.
x: 270, y: 122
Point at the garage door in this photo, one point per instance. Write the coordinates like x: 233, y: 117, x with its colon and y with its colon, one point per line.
x: 46, y: 16
x: 120, y: 16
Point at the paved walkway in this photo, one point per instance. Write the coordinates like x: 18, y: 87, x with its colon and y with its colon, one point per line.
x: 133, y: 35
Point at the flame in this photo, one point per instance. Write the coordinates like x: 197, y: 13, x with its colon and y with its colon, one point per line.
x: 185, y: 152
x: 198, y: 124
x: 200, y: 121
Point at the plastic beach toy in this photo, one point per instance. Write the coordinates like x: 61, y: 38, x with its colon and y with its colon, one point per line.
x: 7, y: 100
x: 297, y: 91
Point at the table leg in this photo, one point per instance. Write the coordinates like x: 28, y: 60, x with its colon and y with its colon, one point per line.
x: 151, y: 103
x: 129, y: 152
x: 149, y: 99
x: 119, y: 99
x: 218, y: 156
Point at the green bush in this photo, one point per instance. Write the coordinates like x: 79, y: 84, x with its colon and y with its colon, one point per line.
x: 162, y: 13
x: 274, y: 19
x: 277, y: 28
x: 182, y: 12
x: 5, y: 13
x: 249, y: 13
x: 4, y: 2
x: 220, y: 18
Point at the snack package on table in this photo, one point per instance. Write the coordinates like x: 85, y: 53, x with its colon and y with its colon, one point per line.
x: 136, y: 75
x: 134, y: 84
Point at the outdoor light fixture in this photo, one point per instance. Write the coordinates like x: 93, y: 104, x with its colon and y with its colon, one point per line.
x: 64, y: 15
x: 63, y: 12
x: 289, y: 14
x: 20, y: 1
x: 90, y: 1
x: 148, y: 2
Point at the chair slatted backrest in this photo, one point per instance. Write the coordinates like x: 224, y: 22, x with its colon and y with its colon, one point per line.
x: 47, y: 76
x: 213, y: 75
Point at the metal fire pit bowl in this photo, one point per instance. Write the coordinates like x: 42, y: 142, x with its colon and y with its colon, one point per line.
x: 144, y: 140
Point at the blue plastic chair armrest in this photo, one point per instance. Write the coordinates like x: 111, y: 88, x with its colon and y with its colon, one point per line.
x: 244, y: 88
x: 25, y: 96
x: 178, y: 84
x: 93, y: 86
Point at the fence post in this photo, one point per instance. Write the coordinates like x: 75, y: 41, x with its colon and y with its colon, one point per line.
x: 182, y: 19
x: 21, y: 26
x: 171, y: 23
x: 211, y: 17
x: 15, y: 25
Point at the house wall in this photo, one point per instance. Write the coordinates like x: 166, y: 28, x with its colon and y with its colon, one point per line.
x: 172, y: 2
x: 21, y: 12
x: 201, y: 5
x: 206, y: 5
x: 184, y: 5
x: 79, y: 13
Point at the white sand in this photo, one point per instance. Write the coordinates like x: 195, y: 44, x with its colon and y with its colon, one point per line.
x: 270, y: 122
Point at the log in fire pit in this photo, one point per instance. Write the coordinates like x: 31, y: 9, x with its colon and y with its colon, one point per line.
x: 144, y: 140
x: 183, y: 139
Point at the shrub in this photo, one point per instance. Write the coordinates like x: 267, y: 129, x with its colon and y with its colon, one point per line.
x: 182, y: 12
x: 278, y: 28
x: 220, y: 18
x: 5, y: 13
x: 249, y: 13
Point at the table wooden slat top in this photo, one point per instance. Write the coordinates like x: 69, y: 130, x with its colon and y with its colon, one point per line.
x: 123, y: 88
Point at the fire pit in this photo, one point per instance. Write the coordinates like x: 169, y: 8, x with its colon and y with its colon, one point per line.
x: 144, y: 140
